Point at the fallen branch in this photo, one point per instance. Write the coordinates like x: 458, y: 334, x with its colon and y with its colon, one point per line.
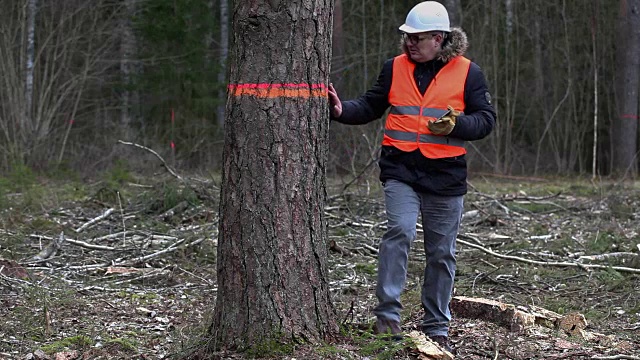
x: 198, y: 191
x: 173, y: 247
x: 78, y: 243
x: 164, y: 163
x: 95, y: 220
x: 603, y: 257
x: 50, y: 250
x: 549, y: 263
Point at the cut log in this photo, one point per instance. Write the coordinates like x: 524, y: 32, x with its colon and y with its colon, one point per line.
x: 494, y: 311
x: 544, y: 317
x: 573, y: 324
x: 506, y: 315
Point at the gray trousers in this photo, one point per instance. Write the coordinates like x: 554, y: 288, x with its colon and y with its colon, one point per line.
x: 441, y: 220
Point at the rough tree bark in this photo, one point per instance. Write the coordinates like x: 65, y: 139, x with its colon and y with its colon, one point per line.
x: 272, y: 247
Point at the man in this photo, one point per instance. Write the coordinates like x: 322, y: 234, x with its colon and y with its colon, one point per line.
x: 438, y: 100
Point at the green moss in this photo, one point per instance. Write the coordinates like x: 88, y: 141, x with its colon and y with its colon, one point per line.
x: 366, y: 268
x: 533, y: 207
x: 275, y: 347
x: 74, y: 342
x: 124, y: 343
x: 383, y: 348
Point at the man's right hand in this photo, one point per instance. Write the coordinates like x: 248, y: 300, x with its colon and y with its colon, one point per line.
x: 334, y: 102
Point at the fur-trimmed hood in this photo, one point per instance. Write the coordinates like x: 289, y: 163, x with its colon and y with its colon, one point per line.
x: 455, y: 45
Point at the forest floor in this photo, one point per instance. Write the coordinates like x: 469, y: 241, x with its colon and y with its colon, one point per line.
x: 125, y: 268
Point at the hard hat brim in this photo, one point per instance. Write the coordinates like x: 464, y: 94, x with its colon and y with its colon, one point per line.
x: 411, y: 30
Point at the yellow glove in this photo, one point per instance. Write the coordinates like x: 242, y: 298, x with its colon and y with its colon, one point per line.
x: 445, y: 124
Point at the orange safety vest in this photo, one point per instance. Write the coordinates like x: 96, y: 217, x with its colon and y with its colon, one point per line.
x: 406, y: 125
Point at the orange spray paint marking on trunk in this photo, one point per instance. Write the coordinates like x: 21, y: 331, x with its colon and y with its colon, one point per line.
x: 279, y: 90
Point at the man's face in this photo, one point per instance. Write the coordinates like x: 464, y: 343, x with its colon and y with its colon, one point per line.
x: 423, y: 46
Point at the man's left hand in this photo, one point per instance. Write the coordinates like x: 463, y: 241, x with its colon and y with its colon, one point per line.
x: 444, y: 125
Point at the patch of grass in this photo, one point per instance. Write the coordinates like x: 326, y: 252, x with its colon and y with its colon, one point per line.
x: 604, y: 242
x: 118, y: 175
x: 533, y: 207
x: 63, y: 172
x: 43, y: 225
x: 615, y: 281
x: 138, y: 298
x: 124, y: 343
x: 173, y: 195
x: 378, y: 346
x: 560, y: 246
x: 20, y: 189
x: 382, y: 348
x: 167, y: 196
x: 19, y: 179
x: 584, y: 189
x: 366, y: 268
x: 325, y: 351
x: 73, y: 342
x: 622, y: 209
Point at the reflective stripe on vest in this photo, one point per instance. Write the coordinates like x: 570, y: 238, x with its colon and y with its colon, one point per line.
x: 415, y: 110
x: 423, y: 138
x: 406, y: 124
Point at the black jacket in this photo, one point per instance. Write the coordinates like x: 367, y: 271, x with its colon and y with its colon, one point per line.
x: 446, y: 176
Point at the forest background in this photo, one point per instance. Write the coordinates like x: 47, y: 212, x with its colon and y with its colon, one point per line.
x: 79, y: 79
x: 79, y: 75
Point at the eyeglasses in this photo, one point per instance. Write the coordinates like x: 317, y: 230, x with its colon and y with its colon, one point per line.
x: 415, y: 39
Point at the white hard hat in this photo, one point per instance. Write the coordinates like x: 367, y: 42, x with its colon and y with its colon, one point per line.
x: 426, y: 16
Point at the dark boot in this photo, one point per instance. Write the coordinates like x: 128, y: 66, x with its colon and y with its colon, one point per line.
x: 388, y: 327
x: 443, y: 341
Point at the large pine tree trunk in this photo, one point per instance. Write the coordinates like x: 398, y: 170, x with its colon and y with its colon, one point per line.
x: 272, y: 248
x: 625, y: 127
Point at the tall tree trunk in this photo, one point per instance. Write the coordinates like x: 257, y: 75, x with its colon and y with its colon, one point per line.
x: 28, y: 121
x: 128, y: 66
x: 625, y: 127
x: 224, y: 54
x: 272, y: 248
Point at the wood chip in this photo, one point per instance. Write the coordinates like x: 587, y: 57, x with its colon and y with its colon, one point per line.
x: 427, y: 348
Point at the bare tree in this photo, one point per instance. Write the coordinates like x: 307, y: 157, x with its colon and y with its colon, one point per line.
x: 32, y: 12
x: 46, y: 62
x: 272, y: 248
